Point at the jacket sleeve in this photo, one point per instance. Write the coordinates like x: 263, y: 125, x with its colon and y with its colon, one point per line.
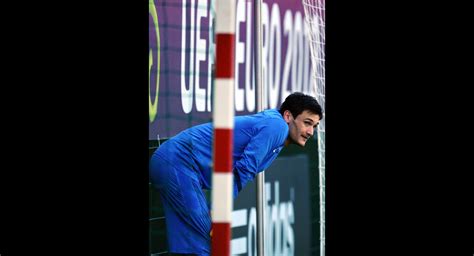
x: 266, y: 136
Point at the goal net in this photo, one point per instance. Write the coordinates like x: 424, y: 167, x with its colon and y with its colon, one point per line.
x: 315, y: 20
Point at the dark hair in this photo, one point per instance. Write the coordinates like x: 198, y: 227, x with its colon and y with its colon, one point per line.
x: 298, y: 102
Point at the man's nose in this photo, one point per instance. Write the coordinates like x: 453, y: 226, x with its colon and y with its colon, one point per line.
x: 311, y: 131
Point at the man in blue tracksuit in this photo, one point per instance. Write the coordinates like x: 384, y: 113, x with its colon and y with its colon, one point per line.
x: 182, y: 167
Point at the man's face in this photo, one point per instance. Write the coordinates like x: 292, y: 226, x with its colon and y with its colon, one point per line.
x: 302, y: 127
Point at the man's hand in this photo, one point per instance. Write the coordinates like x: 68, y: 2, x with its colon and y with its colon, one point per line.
x: 210, y: 214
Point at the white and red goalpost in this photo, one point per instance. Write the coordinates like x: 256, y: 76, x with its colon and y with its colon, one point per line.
x: 223, y: 118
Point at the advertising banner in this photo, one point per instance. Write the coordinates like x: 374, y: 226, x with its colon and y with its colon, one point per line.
x: 288, y: 213
x: 182, y: 51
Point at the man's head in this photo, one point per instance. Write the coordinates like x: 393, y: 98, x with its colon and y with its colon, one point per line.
x: 302, y: 113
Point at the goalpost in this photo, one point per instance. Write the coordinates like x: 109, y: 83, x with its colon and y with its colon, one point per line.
x: 316, y: 21
x: 222, y: 177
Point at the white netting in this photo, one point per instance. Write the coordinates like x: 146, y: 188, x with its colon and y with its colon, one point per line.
x: 315, y: 28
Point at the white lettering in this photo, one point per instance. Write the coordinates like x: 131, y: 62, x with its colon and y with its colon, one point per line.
x: 274, y: 227
x: 239, y: 56
x: 249, y: 83
x: 210, y: 58
x: 200, y: 56
x: 187, y: 94
x: 274, y: 59
x: 278, y: 81
x: 288, y: 31
x: 279, y: 221
x: 252, y: 233
x: 298, y: 57
x: 290, y: 215
x: 284, y: 228
x: 239, y: 219
x: 265, y: 38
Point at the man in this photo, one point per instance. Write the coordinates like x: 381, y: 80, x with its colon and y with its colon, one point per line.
x: 182, y: 166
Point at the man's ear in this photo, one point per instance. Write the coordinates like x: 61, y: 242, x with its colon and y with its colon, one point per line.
x: 287, y: 116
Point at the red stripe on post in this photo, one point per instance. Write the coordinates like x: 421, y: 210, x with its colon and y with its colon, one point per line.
x: 224, y: 55
x: 220, y: 239
x: 223, y: 140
